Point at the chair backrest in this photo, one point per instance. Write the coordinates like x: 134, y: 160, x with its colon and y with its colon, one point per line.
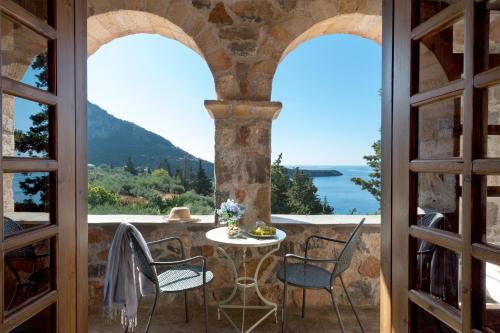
x: 142, y: 261
x: 431, y: 220
x: 345, y: 257
x: 11, y: 227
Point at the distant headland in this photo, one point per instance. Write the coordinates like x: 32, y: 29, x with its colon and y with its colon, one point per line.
x: 317, y: 173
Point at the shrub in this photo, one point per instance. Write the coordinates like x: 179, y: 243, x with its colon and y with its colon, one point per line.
x: 178, y: 189
x: 98, y: 195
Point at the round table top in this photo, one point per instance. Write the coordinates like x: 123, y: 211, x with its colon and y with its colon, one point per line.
x: 219, y: 235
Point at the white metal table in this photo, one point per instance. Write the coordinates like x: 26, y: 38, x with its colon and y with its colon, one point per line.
x: 220, y: 237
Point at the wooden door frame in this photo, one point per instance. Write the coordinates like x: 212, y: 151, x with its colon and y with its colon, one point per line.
x: 68, y: 96
x: 473, y: 166
x: 386, y: 176
x: 81, y: 236
x: 399, y: 208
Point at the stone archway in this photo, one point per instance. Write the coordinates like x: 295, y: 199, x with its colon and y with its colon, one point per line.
x: 367, y: 26
x: 103, y: 28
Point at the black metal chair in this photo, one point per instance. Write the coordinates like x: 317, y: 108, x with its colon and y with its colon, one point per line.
x: 308, y: 276
x: 437, y: 269
x: 180, y: 276
x: 38, y: 275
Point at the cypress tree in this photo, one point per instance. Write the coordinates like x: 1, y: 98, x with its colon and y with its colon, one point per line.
x: 202, y: 184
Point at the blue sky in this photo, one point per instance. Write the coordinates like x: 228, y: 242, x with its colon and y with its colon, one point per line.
x: 328, y: 86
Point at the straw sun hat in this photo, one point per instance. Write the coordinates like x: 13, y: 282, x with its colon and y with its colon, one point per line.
x: 180, y: 214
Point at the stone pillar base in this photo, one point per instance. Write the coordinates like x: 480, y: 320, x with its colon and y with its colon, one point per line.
x: 243, y: 154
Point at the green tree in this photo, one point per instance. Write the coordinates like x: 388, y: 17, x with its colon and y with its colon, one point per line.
x: 280, y: 184
x: 130, y: 167
x: 373, y: 184
x: 35, y: 141
x: 202, y: 184
x: 325, y: 207
x: 302, y: 197
x: 165, y: 166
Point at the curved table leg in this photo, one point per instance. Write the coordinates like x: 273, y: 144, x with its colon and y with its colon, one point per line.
x: 245, y: 282
x: 274, y: 306
x: 235, y: 275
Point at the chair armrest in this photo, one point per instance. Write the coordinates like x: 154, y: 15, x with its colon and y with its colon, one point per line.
x: 322, y: 238
x: 43, y: 255
x: 307, y: 259
x: 425, y: 251
x: 180, y: 262
x: 170, y: 239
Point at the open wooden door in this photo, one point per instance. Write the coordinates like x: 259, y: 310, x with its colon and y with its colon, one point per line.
x: 39, y: 236
x: 446, y: 166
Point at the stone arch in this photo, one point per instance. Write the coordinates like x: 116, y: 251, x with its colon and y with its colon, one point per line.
x: 185, y: 21
x: 308, y: 20
x: 367, y: 26
x: 105, y: 27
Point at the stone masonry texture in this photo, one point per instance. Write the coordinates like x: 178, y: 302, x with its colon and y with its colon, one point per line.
x: 362, y: 279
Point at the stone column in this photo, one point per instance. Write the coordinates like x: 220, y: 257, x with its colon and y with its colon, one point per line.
x: 243, y: 154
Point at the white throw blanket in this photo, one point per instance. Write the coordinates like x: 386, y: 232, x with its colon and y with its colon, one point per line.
x: 120, y: 295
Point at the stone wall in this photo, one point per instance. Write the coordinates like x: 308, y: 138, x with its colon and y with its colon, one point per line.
x: 362, y: 278
x: 242, y: 41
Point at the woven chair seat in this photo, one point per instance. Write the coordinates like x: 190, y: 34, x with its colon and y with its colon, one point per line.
x: 306, y: 275
x: 183, y: 278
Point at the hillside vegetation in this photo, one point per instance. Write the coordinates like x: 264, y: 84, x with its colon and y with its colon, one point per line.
x: 120, y: 191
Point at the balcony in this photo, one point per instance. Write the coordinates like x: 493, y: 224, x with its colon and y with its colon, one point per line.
x: 362, y: 279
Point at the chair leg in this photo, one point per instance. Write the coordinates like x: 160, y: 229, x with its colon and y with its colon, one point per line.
x: 205, y: 305
x: 26, y: 291
x: 352, y: 305
x: 13, y: 298
x: 152, y: 312
x: 303, y: 302
x: 186, y: 306
x: 285, y: 300
x: 337, y: 312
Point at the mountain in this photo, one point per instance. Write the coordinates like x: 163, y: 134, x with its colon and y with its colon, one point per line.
x: 112, y: 141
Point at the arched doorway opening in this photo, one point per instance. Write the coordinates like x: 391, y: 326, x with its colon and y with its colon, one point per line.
x: 329, y: 80
x: 151, y: 162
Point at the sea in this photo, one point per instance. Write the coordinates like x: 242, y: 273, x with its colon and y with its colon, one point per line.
x: 341, y: 193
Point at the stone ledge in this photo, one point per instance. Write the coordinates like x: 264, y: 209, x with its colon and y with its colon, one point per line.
x: 333, y: 220
x: 279, y: 219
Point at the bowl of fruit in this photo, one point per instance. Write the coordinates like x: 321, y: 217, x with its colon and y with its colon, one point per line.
x: 262, y: 230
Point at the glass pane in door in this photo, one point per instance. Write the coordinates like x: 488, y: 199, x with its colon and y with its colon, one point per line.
x: 440, y: 129
x: 428, y: 8
x: 26, y: 201
x: 437, y: 273
x: 26, y: 128
x: 423, y: 322
x: 28, y: 274
x: 42, y: 322
x: 439, y: 198
x: 493, y: 211
x: 493, y: 16
x: 493, y: 129
x: 491, y: 319
x: 440, y: 59
x: 39, y: 8
x: 25, y: 54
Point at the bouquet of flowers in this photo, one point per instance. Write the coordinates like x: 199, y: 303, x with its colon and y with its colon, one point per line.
x: 229, y: 214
